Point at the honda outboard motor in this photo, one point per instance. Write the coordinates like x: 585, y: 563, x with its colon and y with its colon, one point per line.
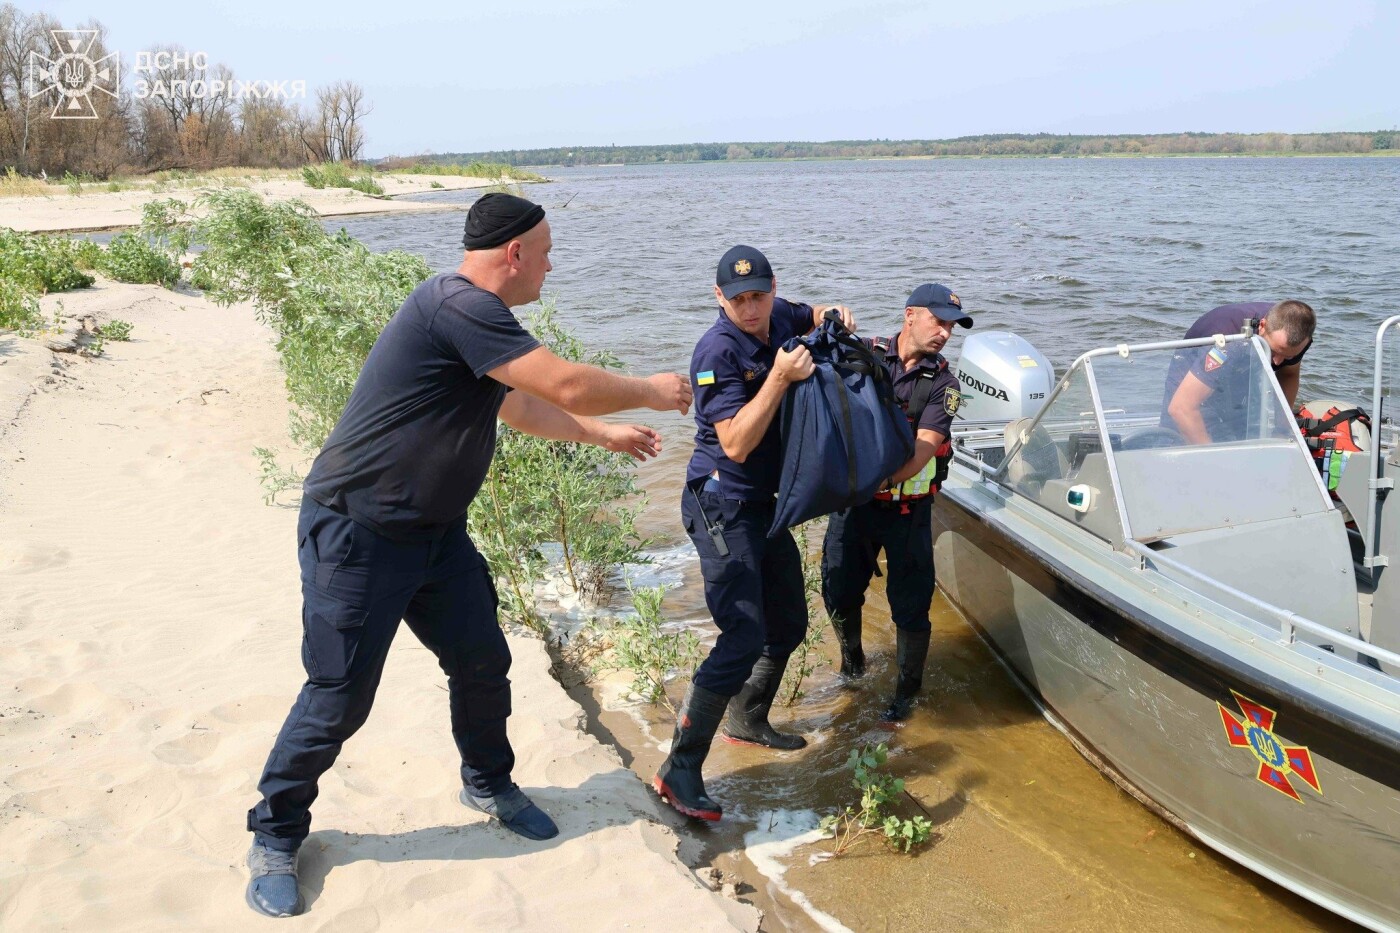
x: 1003, y: 377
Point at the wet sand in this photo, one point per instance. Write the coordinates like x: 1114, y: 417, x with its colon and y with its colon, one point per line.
x: 1028, y: 834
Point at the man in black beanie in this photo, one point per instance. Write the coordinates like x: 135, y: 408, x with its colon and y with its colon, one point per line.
x: 382, y: 534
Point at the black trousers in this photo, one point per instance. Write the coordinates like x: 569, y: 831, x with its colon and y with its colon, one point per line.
x: 356, y: 586
x: 853, y: 541
x: 755, y: 595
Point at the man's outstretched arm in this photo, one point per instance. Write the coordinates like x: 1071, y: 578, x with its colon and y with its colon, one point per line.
x: 588, y: 390
x: 535, y: 416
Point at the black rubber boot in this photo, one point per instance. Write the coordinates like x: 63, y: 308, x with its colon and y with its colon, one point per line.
x: 910, y: 653
x: 678, y: 780
x: 846, y: 623
x: 748, y: 711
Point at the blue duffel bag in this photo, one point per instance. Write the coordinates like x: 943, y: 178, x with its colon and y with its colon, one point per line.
x: 843, y: 433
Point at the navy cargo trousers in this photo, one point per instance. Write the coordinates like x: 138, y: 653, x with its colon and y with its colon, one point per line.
x: 756, y: 594
x: 356, y: 586
x: 854, y: 539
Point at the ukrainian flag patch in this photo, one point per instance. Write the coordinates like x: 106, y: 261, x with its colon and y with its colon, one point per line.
x: 706, y: 378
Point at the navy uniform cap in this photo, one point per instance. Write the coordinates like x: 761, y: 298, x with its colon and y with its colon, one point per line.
x: 743, y: 269
x: 941, y: 302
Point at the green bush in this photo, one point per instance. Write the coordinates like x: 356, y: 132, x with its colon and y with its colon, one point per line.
x: 131, y: 258
x: 117, y: 330
x: 19, y: 308
x: 42, y: 263
x: 327, y: 297
x: 335, y: 175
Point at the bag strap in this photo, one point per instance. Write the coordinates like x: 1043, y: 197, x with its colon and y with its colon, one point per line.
x: 918, y: 400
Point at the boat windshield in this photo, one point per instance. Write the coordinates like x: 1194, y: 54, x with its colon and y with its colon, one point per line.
x: 1197, y: 437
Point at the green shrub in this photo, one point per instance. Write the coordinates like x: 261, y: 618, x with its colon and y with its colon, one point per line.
x: 367, y: 184
x: 41, y: 263
x: 335, y: 175
x: 641, y: 645
x: 117, y: 330
x: 131, y: 258
x: 19, y: 308
x: 86, y: 255
x: 327, y: 297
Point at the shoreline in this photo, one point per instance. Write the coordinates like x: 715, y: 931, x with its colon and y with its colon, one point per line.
x: 150, y: 636
x: 104, y: 211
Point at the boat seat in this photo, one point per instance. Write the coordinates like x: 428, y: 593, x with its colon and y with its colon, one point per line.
x: 1039, y: 459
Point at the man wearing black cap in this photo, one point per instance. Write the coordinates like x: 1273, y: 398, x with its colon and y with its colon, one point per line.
x: 898, y: 519
x: 753, y: 583
x: 382, y: 535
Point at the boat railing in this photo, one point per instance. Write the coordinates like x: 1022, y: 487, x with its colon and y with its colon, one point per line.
x: 1289, y: 622
x: 1123, y: 350
x: 1377, y: 479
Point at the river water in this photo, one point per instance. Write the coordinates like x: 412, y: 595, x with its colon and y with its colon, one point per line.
x: 1070, y: 254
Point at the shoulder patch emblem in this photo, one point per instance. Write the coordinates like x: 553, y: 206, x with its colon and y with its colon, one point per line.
x: 706, y: 378
x: 952, y: 401
x: 1214, y: 359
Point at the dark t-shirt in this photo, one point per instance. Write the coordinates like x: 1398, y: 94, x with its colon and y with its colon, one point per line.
x: 727, y: 369
x: 1224, y: 370
x: 416, y: 438
x: 938, y: 413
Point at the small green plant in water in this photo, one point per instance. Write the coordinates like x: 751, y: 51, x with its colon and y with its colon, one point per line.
x: 807, y: 657
x: 642, y: 647
x: 878, y: 791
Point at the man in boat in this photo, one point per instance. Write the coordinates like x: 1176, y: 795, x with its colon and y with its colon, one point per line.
x: 1205, y: 395
x: 382, y: 534
x: 753, y: 583
x: 898, y: 519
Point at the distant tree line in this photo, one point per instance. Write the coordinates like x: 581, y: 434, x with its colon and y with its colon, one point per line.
x: 997, y: 144
x: 178, y: 129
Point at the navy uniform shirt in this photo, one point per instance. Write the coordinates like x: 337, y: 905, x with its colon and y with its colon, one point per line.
x: 727, y: 369
x: 943, y: 401
x: 1224, y: 370
x: 416, y: 438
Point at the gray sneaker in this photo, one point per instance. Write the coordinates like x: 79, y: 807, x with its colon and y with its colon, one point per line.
x: 272, y: 885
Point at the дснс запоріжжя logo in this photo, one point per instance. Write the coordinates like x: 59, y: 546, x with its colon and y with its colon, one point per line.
x: 74, y: 75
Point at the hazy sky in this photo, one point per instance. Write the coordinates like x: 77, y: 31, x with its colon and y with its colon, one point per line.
x: 469, y: 76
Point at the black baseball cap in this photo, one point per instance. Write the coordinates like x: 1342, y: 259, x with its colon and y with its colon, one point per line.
x: 941, y: 302
x: 743, y: 269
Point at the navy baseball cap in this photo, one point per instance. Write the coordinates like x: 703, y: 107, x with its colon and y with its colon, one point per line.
x: 941, y: 301
x: 743, y: 269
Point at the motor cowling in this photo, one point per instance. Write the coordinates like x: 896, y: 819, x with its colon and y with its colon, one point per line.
x: 1003, y: 377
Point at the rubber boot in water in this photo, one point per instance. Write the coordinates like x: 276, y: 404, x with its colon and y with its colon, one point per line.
x: 678, y: 779
x: 910, y: 653
x: 748, y: 711
x: 846, y: 623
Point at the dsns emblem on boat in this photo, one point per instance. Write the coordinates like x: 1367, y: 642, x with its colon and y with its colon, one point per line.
x: 1276, y: 760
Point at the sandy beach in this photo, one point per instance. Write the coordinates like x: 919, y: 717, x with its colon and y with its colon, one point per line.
x: 149, y: 649
x: 96, y: 209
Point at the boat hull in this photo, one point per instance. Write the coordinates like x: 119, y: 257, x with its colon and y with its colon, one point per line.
x: 1154, y: 710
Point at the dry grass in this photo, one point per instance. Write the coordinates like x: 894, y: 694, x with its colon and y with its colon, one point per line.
x: 14, y: 185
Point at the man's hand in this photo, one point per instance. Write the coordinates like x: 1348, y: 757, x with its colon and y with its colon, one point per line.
x: 843, y: 313
x: 671, y: 392
x: 793, y: 365
x: 635, y: 440
x: 848, y: 320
